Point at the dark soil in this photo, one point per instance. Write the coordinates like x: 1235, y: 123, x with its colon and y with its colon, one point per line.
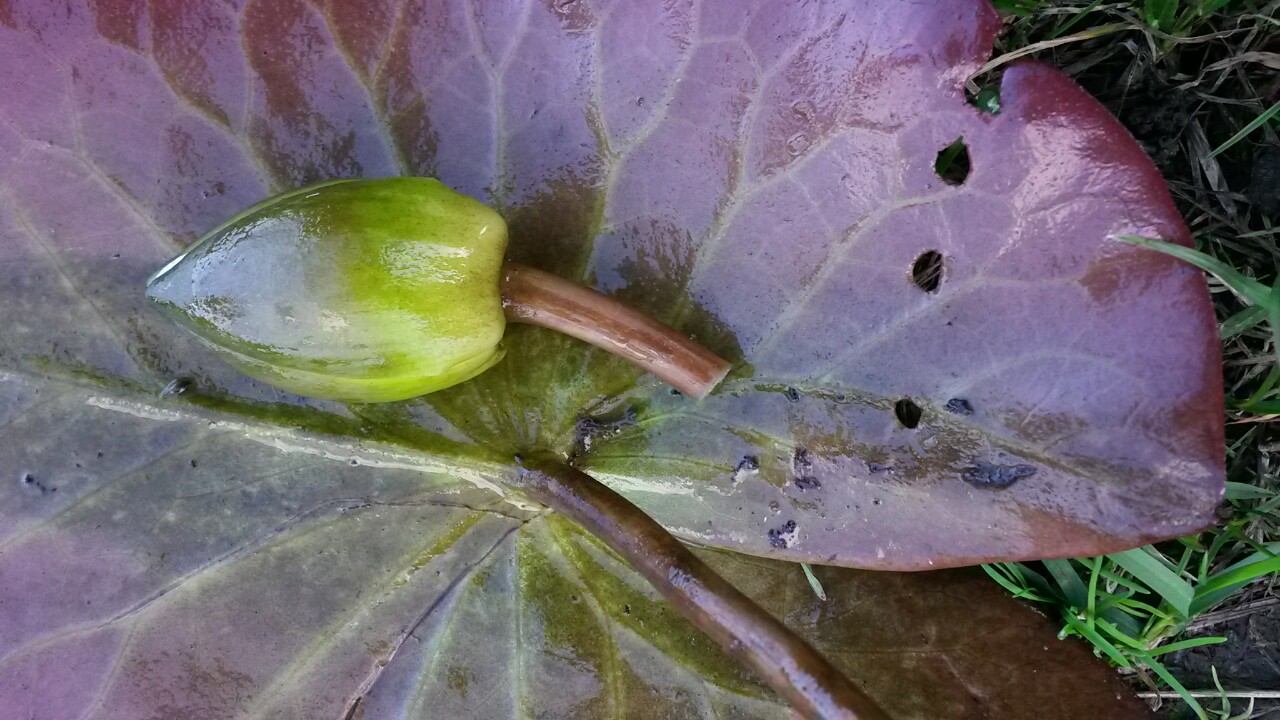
x: 1264, y: 188
x: 1248, y: 660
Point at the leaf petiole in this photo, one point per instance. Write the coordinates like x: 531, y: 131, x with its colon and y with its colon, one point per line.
x: 539, y: 298
x: 746, y: 631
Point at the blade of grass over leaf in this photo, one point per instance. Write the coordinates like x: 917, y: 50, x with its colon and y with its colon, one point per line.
x: 814, y: 583
x: 1252, y: 291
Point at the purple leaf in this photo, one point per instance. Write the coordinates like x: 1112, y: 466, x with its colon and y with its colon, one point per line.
x: 761, y: 175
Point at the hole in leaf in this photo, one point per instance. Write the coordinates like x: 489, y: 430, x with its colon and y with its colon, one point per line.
x: 986, y: 99
x: 908, y: 413
x: 926, y: 272
x: 952, y: 164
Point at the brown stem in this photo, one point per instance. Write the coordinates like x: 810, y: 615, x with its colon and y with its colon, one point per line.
x: 538, y: 298
x: 786, y: 662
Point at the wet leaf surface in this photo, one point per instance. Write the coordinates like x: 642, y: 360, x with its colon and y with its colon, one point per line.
x: 761, y: 177
x: 188, y: 564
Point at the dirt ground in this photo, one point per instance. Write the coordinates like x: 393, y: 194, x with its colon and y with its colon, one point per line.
x: 1249, y: 660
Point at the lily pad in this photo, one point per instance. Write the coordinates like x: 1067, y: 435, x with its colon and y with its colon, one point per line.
x: 187, y: 564
x: 761, y: 176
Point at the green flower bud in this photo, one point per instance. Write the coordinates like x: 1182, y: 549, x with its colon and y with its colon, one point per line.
x: 355, y: 290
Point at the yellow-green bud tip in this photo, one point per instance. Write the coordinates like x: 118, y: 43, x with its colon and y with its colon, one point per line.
x: 354, y: 290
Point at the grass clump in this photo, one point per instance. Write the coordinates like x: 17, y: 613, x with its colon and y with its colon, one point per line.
x: 1198, y: 84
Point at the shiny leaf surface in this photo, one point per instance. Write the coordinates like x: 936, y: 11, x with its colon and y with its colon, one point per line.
x: 765, y: 180
x: 761, y: 176
x: 190, y: 563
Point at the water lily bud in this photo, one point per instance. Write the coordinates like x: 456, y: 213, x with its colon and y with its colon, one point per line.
x: 355, y: 290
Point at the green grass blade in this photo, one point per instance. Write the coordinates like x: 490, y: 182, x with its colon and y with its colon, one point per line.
x: 1267, y: 385
x: 1163, y: 581
x: 1172, y: 682
x: 1107, y: 602
x: 1029, y: 577
x: 994, y: 572
x: 1240, y: 576
x: 1058, y: 31
x: 1243, y: 321
x: 948, y: 156
x: 1250, y: 290
x: 1261, y: 407
x: 1254, y: 124
x: 1006, y: 581
x: 1137, y: 608
x: 1160, y: 14
x: 1093, y: 587
x: 1021, y: 8
x: 1073, y: 589
x: 1127, y: 583
x: 1100, y: 643
x: 1209, y: 7
x: 1125, y: 638
x: 1273, y: 317
x: 1219, y: 586
x: 1270, y: 505
x: 1184, y: 644
x: 1245, y: 491
x: 813, y: 582
x: 1122, y: 621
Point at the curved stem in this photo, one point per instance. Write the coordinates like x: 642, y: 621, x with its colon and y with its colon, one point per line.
x: 745, y: 630
x: 538, y: 298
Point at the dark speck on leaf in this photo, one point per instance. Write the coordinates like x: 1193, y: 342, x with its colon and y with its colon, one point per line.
x: 779, y: 537
x: 879, y: 467
x: 802, y: 467
x: 801, y: 463
x: 987, y: 475
x: 793, y: 395
x: 588, y: 430
x: 748, y: 463
x: 29, y: 479
x: 959, y: 406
